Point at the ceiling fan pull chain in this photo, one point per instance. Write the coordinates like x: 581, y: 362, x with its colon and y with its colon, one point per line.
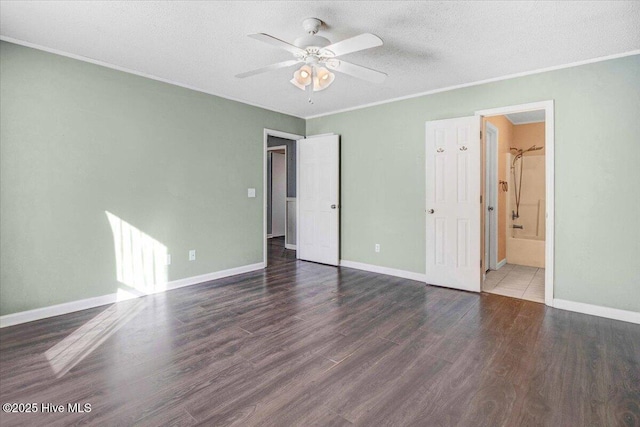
x: 311, y: 85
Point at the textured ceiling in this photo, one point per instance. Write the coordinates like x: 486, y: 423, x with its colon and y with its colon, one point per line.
x: 525, y: 117
x: 427, y: 45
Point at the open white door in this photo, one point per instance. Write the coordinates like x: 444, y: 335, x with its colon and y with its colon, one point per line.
x: 318, y: 198
x: 453, y: 203
x: 491, y: 195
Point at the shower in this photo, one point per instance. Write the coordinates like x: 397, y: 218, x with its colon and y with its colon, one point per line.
x: 517, y: 181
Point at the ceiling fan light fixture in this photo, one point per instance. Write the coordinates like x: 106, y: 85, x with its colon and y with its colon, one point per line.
x: 323, y: 79
x: 302, y: 77
x: 319, y: 57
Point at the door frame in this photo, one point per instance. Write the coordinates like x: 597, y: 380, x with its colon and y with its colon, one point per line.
x: 549, y: 133
x: 286, y: 171
x: 491, y: 199
x: 280, y: 134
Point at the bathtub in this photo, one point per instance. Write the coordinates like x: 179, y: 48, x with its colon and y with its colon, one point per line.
x: 523, y: 251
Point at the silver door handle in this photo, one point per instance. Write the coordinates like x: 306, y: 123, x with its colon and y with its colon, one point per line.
x: 430, y: 211
x: 333, y: 206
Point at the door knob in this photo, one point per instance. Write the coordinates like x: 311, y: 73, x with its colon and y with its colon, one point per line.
x: 333, y: 206
x: 490, y: 208
x: 430, y: 211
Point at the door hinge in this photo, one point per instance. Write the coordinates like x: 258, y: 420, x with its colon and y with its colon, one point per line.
x: 481, y: 199
x: 480, y: 262
x: 480, y: 134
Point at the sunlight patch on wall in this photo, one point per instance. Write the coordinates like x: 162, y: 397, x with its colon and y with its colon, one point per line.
x: 141, y: 267
x: 141, y: 260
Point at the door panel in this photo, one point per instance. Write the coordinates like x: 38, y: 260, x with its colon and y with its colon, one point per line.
x: 453, y: 203
x: 318, y: 198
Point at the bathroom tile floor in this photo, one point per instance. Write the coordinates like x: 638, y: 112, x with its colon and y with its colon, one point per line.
x: 518, y: 281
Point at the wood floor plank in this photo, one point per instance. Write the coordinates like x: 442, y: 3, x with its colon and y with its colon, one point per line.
x: 307, y: 344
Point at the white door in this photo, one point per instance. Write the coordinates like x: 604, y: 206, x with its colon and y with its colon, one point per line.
x: 278, y: 193
x: 453, y: 203
x: 491, y: 195
x: 318, y: 197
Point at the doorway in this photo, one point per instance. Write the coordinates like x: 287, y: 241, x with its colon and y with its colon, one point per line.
x: 517, y: 201
x: 277, y: 192
x: 279, y: 173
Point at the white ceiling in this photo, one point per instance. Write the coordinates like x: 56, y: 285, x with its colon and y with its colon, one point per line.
x: 427, y: 45
x: 526, y: 117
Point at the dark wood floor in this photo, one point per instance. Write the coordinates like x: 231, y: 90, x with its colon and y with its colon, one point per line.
x: 306, y: 344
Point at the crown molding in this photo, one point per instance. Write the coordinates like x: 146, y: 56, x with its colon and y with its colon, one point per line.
x: 138, y: 73
x: 479, y: 82
x: 329, y: 113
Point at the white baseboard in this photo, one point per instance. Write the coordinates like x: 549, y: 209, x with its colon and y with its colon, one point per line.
x: 70, y: 307
x: 292, y: 247
x: 501, y: 264
x: 597, y: 310
x: 384, y: 270
x: 194, y: 280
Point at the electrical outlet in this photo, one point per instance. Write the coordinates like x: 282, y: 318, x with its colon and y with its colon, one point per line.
x: 192, y: 255
x: 168, y: 259
x: 377, y: 247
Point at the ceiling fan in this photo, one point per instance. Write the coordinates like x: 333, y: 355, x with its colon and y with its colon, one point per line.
x: 319, y: 56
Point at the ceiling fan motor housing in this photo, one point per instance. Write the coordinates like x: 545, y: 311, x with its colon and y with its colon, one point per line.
x: 311, y: 40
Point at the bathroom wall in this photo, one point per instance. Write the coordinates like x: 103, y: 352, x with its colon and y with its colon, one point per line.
x: 533, y: 182
x: 524, y: 136
x: 526, y: 246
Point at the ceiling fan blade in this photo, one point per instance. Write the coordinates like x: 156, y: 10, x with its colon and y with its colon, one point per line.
x: 271, y: 67
x: 266, y: 38
x: 354, y: 44
x: 358, y: 71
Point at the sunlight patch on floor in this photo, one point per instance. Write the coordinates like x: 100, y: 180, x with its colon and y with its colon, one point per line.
x: 70, y: 351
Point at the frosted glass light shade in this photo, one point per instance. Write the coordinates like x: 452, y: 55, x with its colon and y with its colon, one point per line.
x: 323, y: 79
x: 302, y: 77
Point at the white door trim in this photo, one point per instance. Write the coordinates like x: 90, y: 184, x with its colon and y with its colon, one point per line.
x: 548, y: 107
x: 491, y: 171
x: 265, y: 137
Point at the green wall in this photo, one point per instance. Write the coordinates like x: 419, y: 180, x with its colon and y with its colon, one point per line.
x: 79, y: 139
x: 597, y: 165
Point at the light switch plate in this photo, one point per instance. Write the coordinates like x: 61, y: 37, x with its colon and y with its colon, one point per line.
x: 251, y: 192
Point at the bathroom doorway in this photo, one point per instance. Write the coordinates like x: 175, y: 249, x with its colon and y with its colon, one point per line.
x: 516, y: 202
